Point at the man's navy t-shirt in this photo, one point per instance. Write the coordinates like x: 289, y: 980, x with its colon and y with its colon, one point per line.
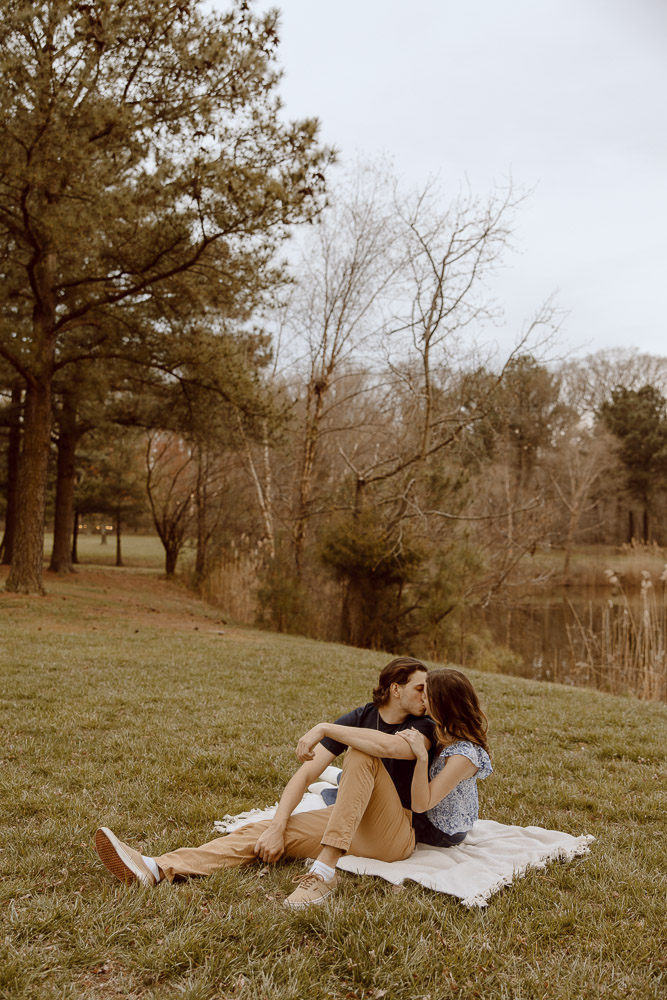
x: 368, y: 717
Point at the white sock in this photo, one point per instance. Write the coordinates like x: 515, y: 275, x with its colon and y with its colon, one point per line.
x: 321, y: 869
x: 155, y: 871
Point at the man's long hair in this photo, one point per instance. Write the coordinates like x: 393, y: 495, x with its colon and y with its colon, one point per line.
x: 455, y: 708
x: 399, y: 671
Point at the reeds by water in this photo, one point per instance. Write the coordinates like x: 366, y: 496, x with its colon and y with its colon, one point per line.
x: 626, y: 653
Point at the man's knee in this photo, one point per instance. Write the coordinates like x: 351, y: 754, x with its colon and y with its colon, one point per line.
x: 358, y: 759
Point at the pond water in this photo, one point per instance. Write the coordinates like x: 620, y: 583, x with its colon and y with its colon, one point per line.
x: 592, y: 635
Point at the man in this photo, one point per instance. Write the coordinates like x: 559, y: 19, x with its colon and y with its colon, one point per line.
x: 371, y: 816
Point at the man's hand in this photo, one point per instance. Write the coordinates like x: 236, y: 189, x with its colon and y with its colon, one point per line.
x: 271, y: 845
x: 304, y: 748
x: 416, y: 741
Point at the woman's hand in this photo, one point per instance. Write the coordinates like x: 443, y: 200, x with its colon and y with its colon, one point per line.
x: 304, y: 748
x: 416, y: 741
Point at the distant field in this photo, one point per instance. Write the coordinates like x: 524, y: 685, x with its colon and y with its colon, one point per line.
x: 589, y: 562
x: 142, y: 551
x: 127, y: 702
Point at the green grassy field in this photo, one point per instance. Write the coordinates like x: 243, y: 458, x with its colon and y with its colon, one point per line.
x: 126, y: 702
x: 144, y: 551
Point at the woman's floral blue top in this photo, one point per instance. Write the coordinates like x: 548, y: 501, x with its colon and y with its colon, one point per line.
x: 457, y: 812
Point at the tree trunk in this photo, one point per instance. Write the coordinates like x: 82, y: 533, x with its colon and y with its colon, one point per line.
x: 264, y: 490
x: 25, y: 575
x: 428, y: 395
x: 569, y: 544
x: 631, y: 526
x: 201, y: 504
x: 314, y: 406
x: 566, y: 564
x: 268, y: 491
x: 13, y: 454
x: 645, y: 526
x: 352, y: 616
x: 75, y: 538
x: 119, y: 554
x: 61, y: 556
x: 170, y: 559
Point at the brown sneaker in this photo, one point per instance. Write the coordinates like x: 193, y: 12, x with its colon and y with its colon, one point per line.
x: 122, y: 861
x: 312, y: 888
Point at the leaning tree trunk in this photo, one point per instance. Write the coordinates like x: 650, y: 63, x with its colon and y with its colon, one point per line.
x: 13, y: 453
x: 25, y: 575
x: 314, y: 407
x: 264, y: 489
x: 61, y: 555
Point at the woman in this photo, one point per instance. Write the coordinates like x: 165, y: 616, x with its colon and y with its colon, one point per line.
x: 444, y: 796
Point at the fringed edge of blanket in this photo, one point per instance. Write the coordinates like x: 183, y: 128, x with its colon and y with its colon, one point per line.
x: 558, y: 853
x: 229, y: 823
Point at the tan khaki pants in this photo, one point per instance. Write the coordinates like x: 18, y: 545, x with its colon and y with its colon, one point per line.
x: 367, y: 820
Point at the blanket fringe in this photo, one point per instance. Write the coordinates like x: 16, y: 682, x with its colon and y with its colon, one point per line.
x: 481, y: 899
x: 223, y: 825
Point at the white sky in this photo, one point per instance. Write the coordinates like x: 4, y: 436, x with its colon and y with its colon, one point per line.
x: 567, y: 96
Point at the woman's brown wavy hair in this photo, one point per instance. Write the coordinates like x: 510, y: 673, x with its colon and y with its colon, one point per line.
x: 455, y: 708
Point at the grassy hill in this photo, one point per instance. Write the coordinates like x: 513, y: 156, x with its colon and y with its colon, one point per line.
x: 128, y: 703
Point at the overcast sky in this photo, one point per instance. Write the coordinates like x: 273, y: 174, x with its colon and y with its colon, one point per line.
x: 567, y: 96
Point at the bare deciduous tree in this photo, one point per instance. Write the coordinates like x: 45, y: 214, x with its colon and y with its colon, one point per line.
x: 171, y: 482
x: 344, y: 274
x: 581, y: 461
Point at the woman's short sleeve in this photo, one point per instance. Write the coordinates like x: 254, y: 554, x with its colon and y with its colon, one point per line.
x: 476, y: 755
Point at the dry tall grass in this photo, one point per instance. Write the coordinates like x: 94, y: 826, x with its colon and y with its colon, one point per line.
x: 232, y: 583
x: 238, y: 583
x: 626, y: 655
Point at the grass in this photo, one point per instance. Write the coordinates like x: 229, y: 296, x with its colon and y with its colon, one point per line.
x: 137, y: 550
x: 589, y: 564
x: 127, y: 702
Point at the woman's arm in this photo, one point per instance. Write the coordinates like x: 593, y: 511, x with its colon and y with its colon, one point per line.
x: 370, y: 741
x: 427, y: 794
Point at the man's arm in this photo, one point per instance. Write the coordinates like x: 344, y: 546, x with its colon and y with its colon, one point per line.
x: 271, y: 844
x: 370, y: 741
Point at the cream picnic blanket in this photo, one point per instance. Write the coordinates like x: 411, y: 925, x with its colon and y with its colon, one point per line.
x: 491, y: 856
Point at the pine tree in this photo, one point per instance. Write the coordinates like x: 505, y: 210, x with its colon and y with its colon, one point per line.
x: 143, y: 166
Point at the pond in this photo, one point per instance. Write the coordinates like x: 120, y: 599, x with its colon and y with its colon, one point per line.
x: 594, y: 636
